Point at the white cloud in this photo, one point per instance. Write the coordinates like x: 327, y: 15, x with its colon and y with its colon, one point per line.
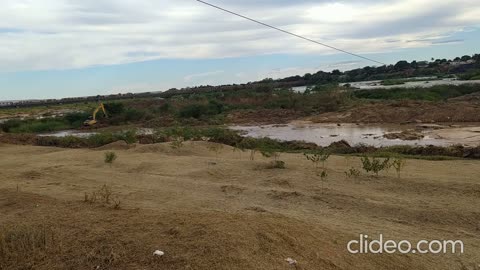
x: 59, y: 34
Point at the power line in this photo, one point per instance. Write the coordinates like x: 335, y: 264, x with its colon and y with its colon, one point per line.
x: 290, y: 33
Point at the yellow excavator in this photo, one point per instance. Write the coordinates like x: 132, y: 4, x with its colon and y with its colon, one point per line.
x: 92, y: 120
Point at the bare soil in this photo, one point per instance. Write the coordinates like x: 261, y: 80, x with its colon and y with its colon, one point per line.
x: 405, y: 112
x: 263, y: 116
x: 226, y: 212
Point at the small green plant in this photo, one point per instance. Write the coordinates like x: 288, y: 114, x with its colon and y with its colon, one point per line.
x: 374, y: 164
x: 177, y: 143
x: 398, y: 164
x: 317, y: 157
x: 110, y: 157
x: 352, y: 173
x: 323, y: 177
x: 270, y: 153
x: 216, y: 148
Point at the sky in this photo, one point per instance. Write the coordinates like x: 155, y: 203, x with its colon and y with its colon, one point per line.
x: 65, y: 48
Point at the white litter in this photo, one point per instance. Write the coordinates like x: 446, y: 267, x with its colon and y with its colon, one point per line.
x: 291, y: 261
x: 158, y: 253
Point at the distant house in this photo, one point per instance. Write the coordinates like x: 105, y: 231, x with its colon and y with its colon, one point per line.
x: 461, y: 63
x: 6, y: 103
x: 422, y: 64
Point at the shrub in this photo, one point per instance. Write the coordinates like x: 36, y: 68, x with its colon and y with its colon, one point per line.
x: 375, y: 165
x: 110, y: 157
x: 352, y: 173
x: 132, y: 115
x: 165, y: 108
x: 323, y: 177
x: 114, y: 108
x: 76, y: 119
x: 100, y: 139
x: 193, y: 111
x: 105, y: 196
x: 318, y: 156
x: 276, y: 164
x: 398, y: 164
x: 177, y: 143
x: 35, y: 125
x: 268, y: 153
x: 129, y: 136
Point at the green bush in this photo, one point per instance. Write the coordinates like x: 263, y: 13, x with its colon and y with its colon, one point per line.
x: 375, y: 164
x: 435, y: 93
x: 193, y: 111
x: 110, y: 157
x: 76, y: 119
x: 114, y: 108
x: 35, y: 125
x: 132, y: 115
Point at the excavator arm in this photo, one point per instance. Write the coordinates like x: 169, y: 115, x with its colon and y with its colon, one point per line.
x: 101, y: 107
x: 93, y: 120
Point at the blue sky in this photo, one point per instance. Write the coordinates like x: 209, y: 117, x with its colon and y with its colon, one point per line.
x: 62, y: 48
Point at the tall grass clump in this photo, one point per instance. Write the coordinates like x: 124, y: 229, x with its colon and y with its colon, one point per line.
x: 110, y: 157
x: 25, y: 243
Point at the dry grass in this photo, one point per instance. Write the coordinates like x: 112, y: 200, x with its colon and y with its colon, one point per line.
x: 234, y: 216
x: 104, y: 196
x: 26, y: 244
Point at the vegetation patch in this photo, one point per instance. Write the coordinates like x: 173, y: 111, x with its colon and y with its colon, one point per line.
x: 435, y: 93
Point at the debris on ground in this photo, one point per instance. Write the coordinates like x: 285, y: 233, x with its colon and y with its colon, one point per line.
x: 291, y: 261
x: 158, y: 253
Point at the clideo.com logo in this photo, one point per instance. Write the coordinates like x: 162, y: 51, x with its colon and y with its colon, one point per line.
x: 365, y: 245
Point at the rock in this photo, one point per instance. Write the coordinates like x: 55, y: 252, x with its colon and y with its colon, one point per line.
x: 291, y: 261
x: 406, y: 135
x: 158, y: 253
x: 430, y: 126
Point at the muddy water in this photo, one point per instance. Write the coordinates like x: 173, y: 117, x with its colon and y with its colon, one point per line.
x: 80, y: 134
x: 66, y: 133
x: 325, y: 134
x: 414, y: 84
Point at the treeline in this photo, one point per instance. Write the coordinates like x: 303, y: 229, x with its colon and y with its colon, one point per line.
x: 466, y: 65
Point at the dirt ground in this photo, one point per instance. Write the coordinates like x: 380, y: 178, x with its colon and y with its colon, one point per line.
x: 263, y: 116
x: 405, y: 112
x: 224, y: 211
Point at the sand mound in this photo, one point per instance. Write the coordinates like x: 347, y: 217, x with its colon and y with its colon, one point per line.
x: 118, y: 145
